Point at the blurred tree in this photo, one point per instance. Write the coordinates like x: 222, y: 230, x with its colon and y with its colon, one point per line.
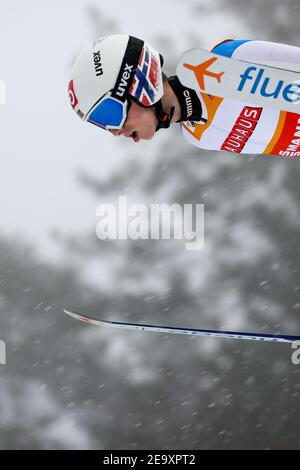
x: 270, y: 20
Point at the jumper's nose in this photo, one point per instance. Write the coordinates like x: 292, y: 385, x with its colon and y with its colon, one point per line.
x: 116, y: 132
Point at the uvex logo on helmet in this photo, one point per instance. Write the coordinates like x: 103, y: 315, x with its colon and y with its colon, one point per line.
x: 123, y: 84
x: 98, y: 64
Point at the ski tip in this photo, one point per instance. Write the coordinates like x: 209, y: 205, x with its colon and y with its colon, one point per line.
x: 84, y: 318
x: 69, y: 311
x: 76, y: 315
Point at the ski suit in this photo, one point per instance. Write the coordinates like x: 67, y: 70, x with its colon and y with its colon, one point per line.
x: 238, y: 127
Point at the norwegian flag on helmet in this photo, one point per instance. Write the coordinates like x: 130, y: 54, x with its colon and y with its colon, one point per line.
x: 147, y: 85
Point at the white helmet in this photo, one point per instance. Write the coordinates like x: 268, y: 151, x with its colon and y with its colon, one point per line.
x: 111, y: 70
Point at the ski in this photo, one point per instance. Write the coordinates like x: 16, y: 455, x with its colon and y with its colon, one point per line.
x: 183, y: 331
x: 275, y: 85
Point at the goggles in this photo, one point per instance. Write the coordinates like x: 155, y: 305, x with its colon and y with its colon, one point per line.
x: 109, y: 113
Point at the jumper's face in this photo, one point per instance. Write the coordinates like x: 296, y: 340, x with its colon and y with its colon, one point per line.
x: 140, y: 124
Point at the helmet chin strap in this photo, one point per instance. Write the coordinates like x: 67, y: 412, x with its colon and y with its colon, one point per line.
x: 164, y: 119
x: 190, y: 104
